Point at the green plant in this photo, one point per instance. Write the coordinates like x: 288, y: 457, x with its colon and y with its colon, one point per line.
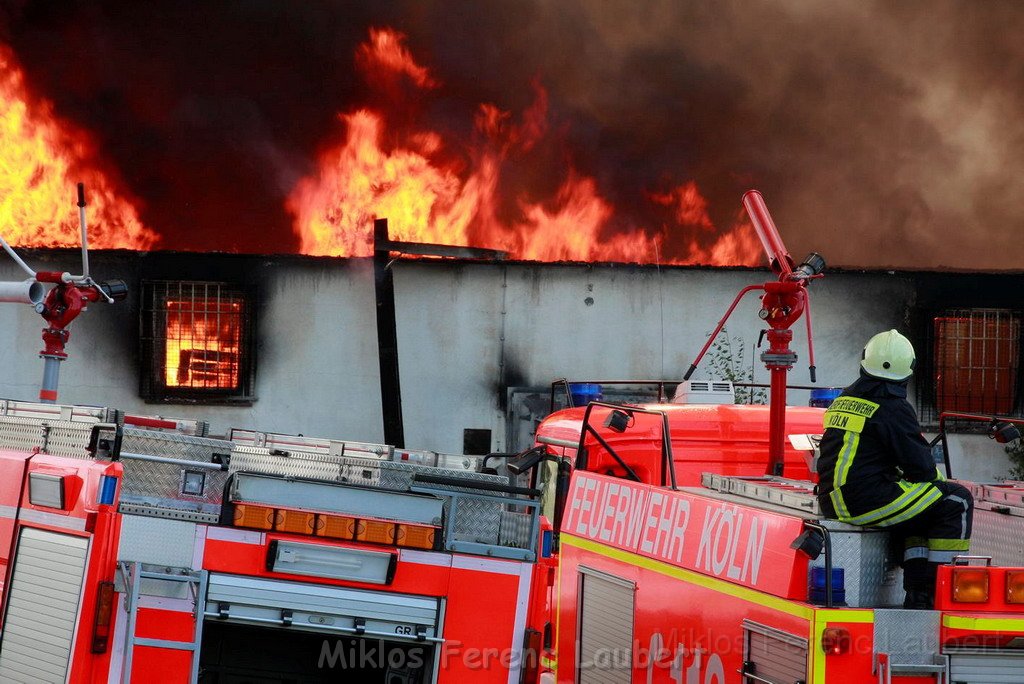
x: 1016, y: 453
x: 726, y: 361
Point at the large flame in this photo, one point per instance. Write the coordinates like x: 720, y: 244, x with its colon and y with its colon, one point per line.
x: 432, y: 190
x: 42, y: 159
x: 432, y: 187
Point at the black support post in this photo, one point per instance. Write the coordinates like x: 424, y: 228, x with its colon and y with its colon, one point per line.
x: 387, y: 337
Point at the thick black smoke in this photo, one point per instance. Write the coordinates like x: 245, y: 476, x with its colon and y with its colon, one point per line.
x: 882, y: 134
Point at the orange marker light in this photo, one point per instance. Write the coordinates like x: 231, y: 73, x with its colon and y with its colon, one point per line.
x: 297, y: 522
x: 416, y: 536
x: 970, y: 585
x: 1015, y: 587
x: 376, y: 532
x: 835, y: 641
x: 259, y: 517
x: 336, y: 526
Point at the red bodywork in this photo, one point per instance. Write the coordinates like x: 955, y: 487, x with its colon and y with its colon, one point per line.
x: 701, y: 570
x: 723, y: 438
x: 486, y: 607
x: 83, y: 516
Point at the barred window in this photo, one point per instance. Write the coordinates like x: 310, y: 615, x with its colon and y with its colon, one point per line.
x: 197, y: 342
x: 976, y: 361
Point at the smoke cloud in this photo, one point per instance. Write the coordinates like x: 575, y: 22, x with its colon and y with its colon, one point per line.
x: 883, y: 135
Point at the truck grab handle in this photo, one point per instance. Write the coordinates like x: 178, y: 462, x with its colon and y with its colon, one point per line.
x: 204, y: 465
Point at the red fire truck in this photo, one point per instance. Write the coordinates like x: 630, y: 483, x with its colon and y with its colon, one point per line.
x: 729, y: 575
x: 692, y: 550
x: 141, y: 550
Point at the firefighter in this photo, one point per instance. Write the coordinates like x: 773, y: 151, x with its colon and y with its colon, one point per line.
x: 876, y: 469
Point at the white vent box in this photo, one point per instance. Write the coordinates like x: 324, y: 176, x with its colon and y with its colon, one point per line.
x: 704, y: 392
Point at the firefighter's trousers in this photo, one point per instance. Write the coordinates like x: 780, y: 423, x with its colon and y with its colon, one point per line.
x: 934, y: 537
x: 932, y: 534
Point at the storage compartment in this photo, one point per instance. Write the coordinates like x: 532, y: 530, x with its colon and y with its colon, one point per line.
x: 237, y: 653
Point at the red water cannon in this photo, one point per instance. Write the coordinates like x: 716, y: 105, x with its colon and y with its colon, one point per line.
x: 60, y: 306
x: 783, y: 301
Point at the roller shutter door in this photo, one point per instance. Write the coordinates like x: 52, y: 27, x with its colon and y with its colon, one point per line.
x: 318, y: 607
x: 605, y: 629
x: 773, y: 655
x: 46, y: 586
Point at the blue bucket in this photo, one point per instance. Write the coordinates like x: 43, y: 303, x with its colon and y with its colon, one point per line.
x: 583, y: 393
x: 823, y: 397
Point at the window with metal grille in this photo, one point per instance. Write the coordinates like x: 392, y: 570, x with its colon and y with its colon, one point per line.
x: 974, y: 363
x: 196, y: 342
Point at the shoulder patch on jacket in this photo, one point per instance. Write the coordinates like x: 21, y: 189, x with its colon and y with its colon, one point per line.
x: 849, y: 413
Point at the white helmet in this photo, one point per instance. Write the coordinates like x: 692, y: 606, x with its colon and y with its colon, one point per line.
x: 888, y: 355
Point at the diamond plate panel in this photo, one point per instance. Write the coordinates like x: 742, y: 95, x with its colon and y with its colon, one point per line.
x: 173, y: 445
x: 261, y: 460
x: 515, y: 530
x: 872, y: 577
x: 990, y: 534
x: 161, y: 485
x: 475, y: 521
x: 910, y: 637
x: 168, y: 543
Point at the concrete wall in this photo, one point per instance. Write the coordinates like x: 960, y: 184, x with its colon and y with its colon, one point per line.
x: 467, y: 332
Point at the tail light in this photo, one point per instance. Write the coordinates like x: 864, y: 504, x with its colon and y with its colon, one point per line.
x: 970, y: 585
x: 415, y: 536
x: 835, y: 641
x: 1015, y: 586
x: 101, y: 622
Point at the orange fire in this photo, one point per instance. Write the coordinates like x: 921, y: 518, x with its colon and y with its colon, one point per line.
x: 42, y: 160
x: 430, y: 193
x: 204, y: 343
x: 432, y: 188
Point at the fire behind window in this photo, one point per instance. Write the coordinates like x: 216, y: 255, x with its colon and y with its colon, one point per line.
x: 196, y: 340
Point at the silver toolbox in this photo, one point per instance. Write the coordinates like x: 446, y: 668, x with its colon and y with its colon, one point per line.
x: 170, y: 475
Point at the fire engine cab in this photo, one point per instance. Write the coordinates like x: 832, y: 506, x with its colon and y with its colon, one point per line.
x: 681, y: 561
x: 141, y: 549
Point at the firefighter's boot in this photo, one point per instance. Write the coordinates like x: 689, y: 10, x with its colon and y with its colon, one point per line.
x: 919, y: 583
x: 919, y: 600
